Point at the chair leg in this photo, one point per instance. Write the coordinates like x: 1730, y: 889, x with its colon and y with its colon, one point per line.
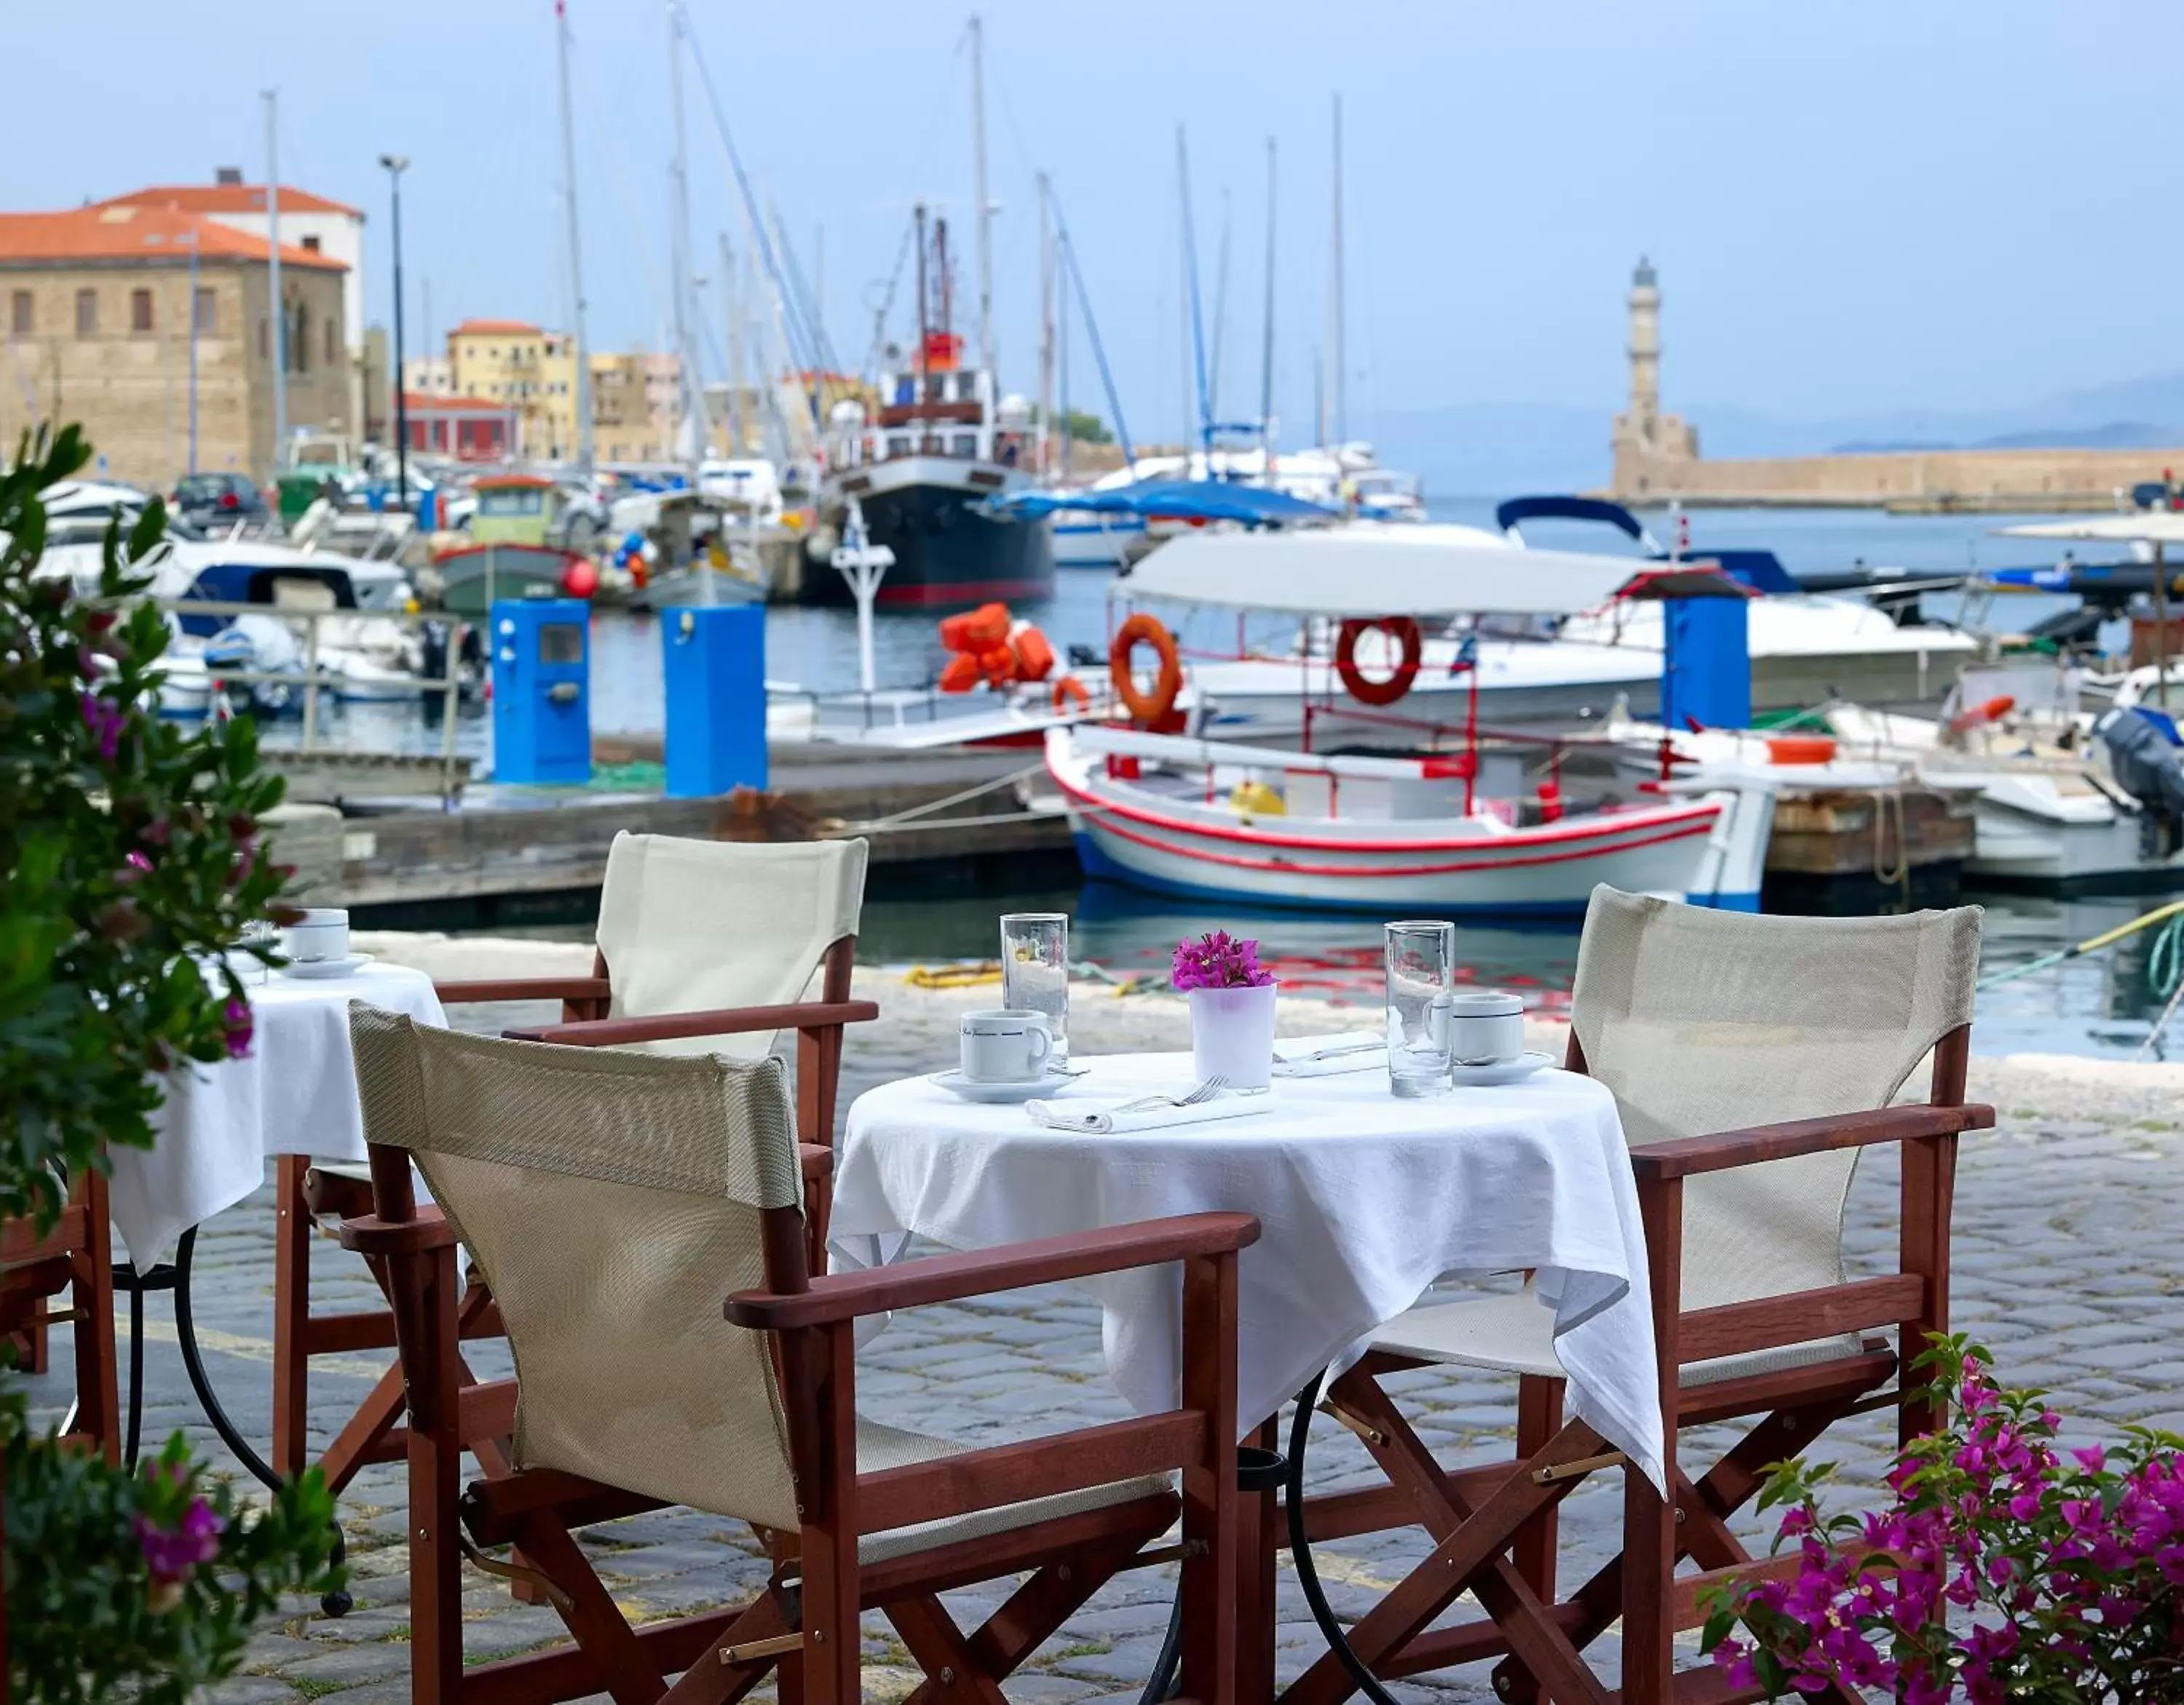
x: 949, y: 1665
x: 292, y: 1314
x: 1538, y: 1419
x: 426, y: 1307
x: 97, y: 1377
x: 827, y: 1545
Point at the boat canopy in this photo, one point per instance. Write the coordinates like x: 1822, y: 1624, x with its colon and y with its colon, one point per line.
x: 1516, y: 511
x: 1424, y: 570
x: 1176, y: 499
x: 2152, y: 526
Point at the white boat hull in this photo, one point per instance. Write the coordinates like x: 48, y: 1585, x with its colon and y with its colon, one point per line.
x: 1709, y: 850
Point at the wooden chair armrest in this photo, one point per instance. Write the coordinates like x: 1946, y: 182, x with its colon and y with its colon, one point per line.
x: 727, y: 1021
x: 816, y: 1160
x: 949, y: 1278
x: 372, y: 1235
x: 523, y: 988
x: 1688, y: 1157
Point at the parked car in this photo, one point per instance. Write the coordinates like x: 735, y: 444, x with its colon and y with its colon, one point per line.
x: 218, y: 500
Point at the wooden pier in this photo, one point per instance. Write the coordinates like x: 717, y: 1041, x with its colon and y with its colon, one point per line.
x: 939, y: 823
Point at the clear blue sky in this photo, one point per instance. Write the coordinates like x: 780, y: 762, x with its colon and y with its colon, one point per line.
x: 1855, y: 207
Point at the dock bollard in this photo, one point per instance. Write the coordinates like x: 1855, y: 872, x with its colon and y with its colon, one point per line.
x: 542, y: 694
x: 714, y: 668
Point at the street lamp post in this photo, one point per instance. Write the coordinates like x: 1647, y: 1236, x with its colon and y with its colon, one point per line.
x: 396, y: 165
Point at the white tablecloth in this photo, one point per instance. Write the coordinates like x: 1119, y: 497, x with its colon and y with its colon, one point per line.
x: 1364, y: 1201
x: 293, y: 1093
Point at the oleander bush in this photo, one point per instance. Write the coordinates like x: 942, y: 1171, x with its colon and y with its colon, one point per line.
x: 131, y: 860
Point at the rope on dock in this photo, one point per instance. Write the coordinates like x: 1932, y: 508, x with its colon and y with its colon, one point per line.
x: 897, y: 819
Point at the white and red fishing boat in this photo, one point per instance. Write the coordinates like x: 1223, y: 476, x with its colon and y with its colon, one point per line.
x: 1485, y: 827
x: 1210, y: 820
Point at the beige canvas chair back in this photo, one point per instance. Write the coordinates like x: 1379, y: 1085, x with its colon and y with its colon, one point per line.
x: 688, y: 926
x: 613, y: 1200
x: 1703, y: 1021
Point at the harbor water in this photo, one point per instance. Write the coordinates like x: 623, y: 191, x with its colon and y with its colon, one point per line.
x: 2100, y: 1004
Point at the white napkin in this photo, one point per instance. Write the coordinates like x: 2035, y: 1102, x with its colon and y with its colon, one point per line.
x: 1323, y: 1056
x: 1094, y: 1119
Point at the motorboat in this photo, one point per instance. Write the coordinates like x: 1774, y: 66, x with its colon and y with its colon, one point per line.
x: 1274, y: 823
x: 1216, y: 821
x: 516, y: 549
x: 685, y: 546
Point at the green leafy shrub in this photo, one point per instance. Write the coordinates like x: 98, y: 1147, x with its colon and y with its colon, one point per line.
x: 131, y: 857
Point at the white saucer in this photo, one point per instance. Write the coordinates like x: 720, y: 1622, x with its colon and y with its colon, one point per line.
x: 972, y: 1089
x: 327, y: 969
x: 1505, y: 1071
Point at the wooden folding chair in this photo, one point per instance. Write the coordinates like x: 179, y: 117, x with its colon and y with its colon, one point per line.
x: 75, y: 1258
x: 638, y: 1220
x: 1786, y: 1038
x: 702, y: 946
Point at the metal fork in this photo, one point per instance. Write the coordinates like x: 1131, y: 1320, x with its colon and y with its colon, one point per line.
x: 1204, y: 1092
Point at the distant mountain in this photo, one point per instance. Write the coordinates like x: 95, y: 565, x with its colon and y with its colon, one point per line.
x: 1471, y: 450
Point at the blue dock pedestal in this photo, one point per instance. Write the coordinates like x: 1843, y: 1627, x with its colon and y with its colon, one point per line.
x: 713, y: 667
x: 1706, y: 672
x: 542, y: 694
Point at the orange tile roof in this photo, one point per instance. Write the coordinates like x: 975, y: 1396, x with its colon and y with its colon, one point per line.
x: 137, y: 233
x: 228, y: 197
x: 504, y: 328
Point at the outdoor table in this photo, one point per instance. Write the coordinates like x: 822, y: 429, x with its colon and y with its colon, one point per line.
x: 293, y: 1093
x: 1364, y: 1200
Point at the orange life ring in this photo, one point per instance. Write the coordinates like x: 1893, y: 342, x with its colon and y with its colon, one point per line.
x: 1405, y: 632
x: 1068, y: 690
x: 1145, y: 708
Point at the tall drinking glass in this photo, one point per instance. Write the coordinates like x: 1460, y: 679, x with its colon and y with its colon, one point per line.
x: 1035, y: 970
x: 1421, y: 984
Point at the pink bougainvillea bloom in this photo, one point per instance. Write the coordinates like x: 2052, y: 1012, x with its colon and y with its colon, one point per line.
x: 172, y: 1553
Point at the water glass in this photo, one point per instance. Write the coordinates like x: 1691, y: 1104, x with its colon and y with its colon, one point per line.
x: 1035, y: 971
x: 1421, y: 987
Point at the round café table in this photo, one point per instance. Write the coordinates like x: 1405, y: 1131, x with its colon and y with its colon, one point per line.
x: 1364, y: 1201
x: 293, y: 1093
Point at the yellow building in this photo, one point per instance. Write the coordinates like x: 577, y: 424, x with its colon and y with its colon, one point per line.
x: 99, y: 325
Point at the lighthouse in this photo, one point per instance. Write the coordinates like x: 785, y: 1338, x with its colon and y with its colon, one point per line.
x: 1644, y: 437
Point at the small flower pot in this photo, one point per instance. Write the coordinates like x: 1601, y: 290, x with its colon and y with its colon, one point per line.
x: 1232, y: 1035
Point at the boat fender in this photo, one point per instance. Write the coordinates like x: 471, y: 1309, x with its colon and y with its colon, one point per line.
x: 1252, y: 798
x: 1404, y: 631
x: 580, y: 578
x: 1551, y: 801
x: 1035, y: 657
x: 961, y: 674
x: 1069, y: 691
x: 1146, y: 709
x: 1993, y: 710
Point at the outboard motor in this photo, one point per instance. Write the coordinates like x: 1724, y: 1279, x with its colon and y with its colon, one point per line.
x: 2147, y: 766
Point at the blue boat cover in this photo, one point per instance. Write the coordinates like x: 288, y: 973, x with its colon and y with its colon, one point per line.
x: 1180, y: 499
x: 1519, y: 510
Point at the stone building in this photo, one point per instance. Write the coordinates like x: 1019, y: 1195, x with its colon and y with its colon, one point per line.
x: 99, y: 325
x: 308, y: 221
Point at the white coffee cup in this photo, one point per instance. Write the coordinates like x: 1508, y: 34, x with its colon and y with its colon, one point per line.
x: 1485, y: 1027
x: 1001, y: 1045
x: 321, y: 935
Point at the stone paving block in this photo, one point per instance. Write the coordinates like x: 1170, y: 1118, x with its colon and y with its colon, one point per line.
x: 350, y: 1666
x: 248, y: 1690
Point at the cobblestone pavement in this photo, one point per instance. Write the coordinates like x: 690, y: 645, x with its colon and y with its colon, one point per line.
x: 2067, y: 1264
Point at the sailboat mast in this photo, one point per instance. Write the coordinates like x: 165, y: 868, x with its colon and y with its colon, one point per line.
x: 1338, y: 390
x: 1266, y: 343
x: 1046, y: 331
x: 582, y: 388
x: 1220, y: 316
x: 924, y: 306
x: 986, y: 356
x: 731, y: 301
x: 688, y: 391
x: 1195, y: 340
x: 280, y: 309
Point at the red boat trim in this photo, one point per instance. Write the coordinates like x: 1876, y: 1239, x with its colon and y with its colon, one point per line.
x: 962, y: 591
x: 1629, y: 820
x: 1289, y: 867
